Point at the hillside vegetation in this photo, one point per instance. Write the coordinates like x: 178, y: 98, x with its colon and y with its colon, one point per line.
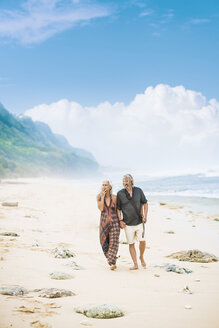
x: 30, y: 148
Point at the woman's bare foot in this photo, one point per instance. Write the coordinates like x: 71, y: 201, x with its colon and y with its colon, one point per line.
x: 135, y: 267
x: 143, y: 262
x: 113, y: 267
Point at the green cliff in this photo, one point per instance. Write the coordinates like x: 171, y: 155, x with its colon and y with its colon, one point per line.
x: 30, y: 148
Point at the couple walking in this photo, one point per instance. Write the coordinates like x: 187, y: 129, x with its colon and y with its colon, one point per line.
x: 128, y: 210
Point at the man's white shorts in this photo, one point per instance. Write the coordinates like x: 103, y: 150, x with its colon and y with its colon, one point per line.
x: 134, y: 233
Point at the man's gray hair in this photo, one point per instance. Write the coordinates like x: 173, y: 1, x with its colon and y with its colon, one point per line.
x: 129, y: 177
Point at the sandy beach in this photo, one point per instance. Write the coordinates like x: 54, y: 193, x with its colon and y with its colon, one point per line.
x: 51, y: 213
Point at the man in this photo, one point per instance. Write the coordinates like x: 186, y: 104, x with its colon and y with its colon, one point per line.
x: 132, y: 203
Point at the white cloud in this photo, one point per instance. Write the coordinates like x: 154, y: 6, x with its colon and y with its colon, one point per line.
x: 197, y: 21
x: 146, y: 13
x: 163, y: 128
x: 38, y: 20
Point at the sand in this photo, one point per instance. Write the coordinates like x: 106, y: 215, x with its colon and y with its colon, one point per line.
x: 53, y: 213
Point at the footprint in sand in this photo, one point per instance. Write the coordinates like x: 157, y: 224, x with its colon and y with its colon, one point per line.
x: 38, y: 324
x: 44, y: 309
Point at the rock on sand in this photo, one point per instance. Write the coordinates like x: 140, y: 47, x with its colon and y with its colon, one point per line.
x: 55, y: 293
x: 194, y: 256
x: 60, y: 275
x: 13, y: 290
x: 62, y: 252
x: 103, y: 311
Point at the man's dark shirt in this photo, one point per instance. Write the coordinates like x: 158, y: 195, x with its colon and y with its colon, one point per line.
x: 130, y: 216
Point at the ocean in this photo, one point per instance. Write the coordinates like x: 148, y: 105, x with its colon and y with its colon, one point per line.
x: 197, y: 191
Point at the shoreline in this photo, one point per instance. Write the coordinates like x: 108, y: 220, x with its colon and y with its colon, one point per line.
x: 206, y: 205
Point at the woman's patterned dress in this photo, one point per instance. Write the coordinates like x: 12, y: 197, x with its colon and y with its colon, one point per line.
x: 109, y: 232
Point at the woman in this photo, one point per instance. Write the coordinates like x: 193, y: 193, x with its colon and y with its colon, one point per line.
x: 109, y: 224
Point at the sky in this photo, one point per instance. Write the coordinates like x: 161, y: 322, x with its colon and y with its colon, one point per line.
x: 144, y: 73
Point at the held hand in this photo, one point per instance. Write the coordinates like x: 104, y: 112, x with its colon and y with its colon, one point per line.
x: 103, y: 193
x: 122, y: 224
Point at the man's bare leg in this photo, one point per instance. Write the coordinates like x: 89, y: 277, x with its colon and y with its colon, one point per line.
x: 142, y: 246
x: 133, y: 256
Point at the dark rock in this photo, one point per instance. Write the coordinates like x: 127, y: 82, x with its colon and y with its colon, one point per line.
x: 7, y: 233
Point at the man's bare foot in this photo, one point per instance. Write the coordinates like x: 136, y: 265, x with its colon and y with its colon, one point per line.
x: 135, y: 267
x: 143, y: 262
x: 113, y: 267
